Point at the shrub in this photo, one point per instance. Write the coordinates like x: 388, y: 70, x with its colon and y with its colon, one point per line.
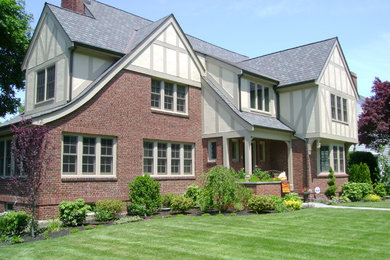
x: 193, y: 193
x: 219, y: 189
x: 260, y: 174
x: 181, y: 204
x: 89, y: 227
x: 344, y: 199
x: 238, y: 206
x: 380, y: 190
x: 168, y: 216
x: 279, y: 205
x: 166, y: 199
x: 331, y: 191
x: 369, y: 159
x: 73, y: 213
x: 259, y: 203
x: 138, y: 210
x: 253, y: 178
x: 206, y: 214
x: 356, y: 191
x: 387, y: 187
x: 14, y: 223
x: 145, y: 191
x: 243, y: 195
x: 16, y: 239
x: 54, y: 225
x: 75, y: 230
x: 233, y: 214
x: 105, y: 210
x: 241, y: 174
x: 293, y: 204
x: 292, y: 196
x: 359, y: 173
x: 372, y: 198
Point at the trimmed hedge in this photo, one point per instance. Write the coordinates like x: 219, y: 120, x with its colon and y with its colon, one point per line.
x: 369, y: 159
x: 359, y: 173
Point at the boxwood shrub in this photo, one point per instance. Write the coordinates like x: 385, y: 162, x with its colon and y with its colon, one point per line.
x: 73, y: 213
x: 259, y: 203
x: 14, y: 223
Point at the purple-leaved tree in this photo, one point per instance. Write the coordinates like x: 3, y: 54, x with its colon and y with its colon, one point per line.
x: 30, y: 158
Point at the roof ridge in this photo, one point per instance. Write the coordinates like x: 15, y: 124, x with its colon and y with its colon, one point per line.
x: 300, y: 46
x: 218, y: 46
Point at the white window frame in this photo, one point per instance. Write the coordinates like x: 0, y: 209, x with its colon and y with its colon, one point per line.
x: 338, y: 108
x: 263, y: 101
x: 210, y: 157
x: 175, y: 98
x: 337, y: 164
x: 79, y: 160
x: 45, y: 85
x: 169, y: 159
x: 236, y: 154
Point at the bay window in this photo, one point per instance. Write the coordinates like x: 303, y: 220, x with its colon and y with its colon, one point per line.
x: 332, y: 156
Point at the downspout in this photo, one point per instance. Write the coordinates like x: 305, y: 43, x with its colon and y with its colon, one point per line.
x: 277, y: 107
x: 239, y: 92
x: 71, y: 72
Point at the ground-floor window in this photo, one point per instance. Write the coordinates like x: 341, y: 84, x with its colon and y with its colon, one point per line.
x: 5, y: 158
x: 168, y: 158
x: 332, y: 156
x: 88, y: 155
x: 211, y: 150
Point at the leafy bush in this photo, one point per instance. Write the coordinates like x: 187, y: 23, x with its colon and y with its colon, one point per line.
x: 241, y: 174
x: 372, y: 198
x: 145, y: 191
x: 259, y: 203
x: 73, y: 213
x: 293, y: 204
x: 219, y: 189
x: 359, y: 173
x: 53, y: 226
x: 166, y: 199
x: 369, y: 159
x: 243, y: 195
x: 292, y: 196
x: 279, y: 205
x: 253, y: 178
x: 16, y: 239
x: 75, y: 230
x: 344, y: 199
x: 181, y: 204
x: 261, y: 174
x: 331, y: 191
x: 193, y: 193
x: 14, y: 223
x: 105, y: 210
x: 138, y: 210
x: 387, y: 187
x: 380, y: 190
x: 238, y: 206
x: 356, y: 191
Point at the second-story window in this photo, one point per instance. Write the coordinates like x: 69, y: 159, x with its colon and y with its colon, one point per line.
x: 259, y: 97
x: 46, y: 84
x: 339, y: 108
x: 169, y: 96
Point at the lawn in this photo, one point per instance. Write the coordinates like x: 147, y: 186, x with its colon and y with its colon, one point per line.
x: 315, y: 233
x: 381, y: 204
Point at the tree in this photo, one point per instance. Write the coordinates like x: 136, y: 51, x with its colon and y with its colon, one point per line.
x: 15, y: 35
x: 30, y: 155
x: 331, y: 191
x: 374, y: 121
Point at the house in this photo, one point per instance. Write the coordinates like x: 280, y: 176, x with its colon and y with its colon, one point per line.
x: 125, y: 96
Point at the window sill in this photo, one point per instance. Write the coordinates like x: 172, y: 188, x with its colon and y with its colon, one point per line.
x: 173, y: 178
x: 340, y: 122
x: 44, y: 102
x: 262, y: 112
x: 337, y: 175
x: 170, y: 113
x: 89, y: 179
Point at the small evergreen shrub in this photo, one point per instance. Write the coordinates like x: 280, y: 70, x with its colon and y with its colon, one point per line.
x: 106, y: 210
x: 193, y: 193
x: 73, y: 213
x: 145, y: 191
x: 367, y: 158
x: 280, y: 206
x: 380, y: 190
x: 14, y: 223
x: 182, y: 204
x: 359, y: 173
x: 372, y: 198
x: 259, y: 203
x: 387, y: 188
x: 356, y: 191
x: 293, y: 204
x: 138, y: 210
x: 330, y: 192
x: 166, y: 199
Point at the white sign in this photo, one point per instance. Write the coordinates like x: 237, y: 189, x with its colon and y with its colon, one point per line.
x: 317, y: 190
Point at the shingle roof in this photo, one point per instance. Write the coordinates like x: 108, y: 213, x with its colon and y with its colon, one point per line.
x: 300, y: 64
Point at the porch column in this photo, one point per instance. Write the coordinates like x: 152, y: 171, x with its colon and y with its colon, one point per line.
x: 290, y: 164
x: 248, y: 154
x: 225, y: 149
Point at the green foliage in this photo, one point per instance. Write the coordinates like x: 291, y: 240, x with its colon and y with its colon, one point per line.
x: 181, y: 204
x: 180, y: 215
x: 344, y: 199
x: 138, y: 210
x: 293, y: 204
x: 14, y: 223
x: 260, y: 174
x: 89, y: 227
x: 238, y: 206
x: 259, y: 203
x: 168, y: 216
x: 292, y: 196
x: 387, y: 187
x: 157, y: 217
x: 372, y: 198
x: 233, y: 214
x: 16, y: 239
x: 166, y: 199
x: 280, y: 206
x: 75, y: 230
x: 359, y: 173
x: 127, y: 219
x: 253, y: 178
x: 220, y: 215
x: 219, y: 189
x: 243, y: 194
x: 193, y: 192
x: 367, y: 158
x: 241, y: 174
x: 380, y: 190
x: 206, y: 214
x: 145, y: 191
x: 73, y: 213
x: 53, y: 226
x: 356, y: 191
x: 15, y: 35
x: 106, y: 210
x: 330, y: 192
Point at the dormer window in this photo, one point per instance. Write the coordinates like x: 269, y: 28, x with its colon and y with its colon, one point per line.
x: 259, y: 96
x: 45, y: 84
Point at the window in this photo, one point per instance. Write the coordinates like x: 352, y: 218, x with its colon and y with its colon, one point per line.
x: 332, y: 156
x: 45, y: 84
x: 168, y: 159
x: 324, y: 158
x: 212, y: 151
x: 262, y: 151
x: 259, y: 97
x: 168, y: 96
x: 88, y: 155
x: 235, y: 151
x: 339, y: 108
x: 5, y: 158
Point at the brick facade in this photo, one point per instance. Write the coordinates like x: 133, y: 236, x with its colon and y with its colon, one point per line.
x: 266, y: 188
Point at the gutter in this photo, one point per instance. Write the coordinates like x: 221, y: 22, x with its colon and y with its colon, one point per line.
x: 296, y: 84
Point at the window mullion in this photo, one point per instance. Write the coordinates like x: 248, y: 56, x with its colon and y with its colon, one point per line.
x: 97, y: 155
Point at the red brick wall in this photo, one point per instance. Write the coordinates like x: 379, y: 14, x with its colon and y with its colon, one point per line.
x: 299, y: 164
x: 266, y: 189
x: 74, y: 5
x: 322, y: 183
x: 121, y: 109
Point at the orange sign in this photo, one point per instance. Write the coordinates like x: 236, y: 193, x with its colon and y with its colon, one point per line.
x: 285, y: 187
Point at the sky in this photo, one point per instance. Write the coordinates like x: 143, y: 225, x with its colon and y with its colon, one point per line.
x: 259, y: 27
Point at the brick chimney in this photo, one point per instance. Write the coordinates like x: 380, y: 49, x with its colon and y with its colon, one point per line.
x: 354, y: 79
x: 74, y: 5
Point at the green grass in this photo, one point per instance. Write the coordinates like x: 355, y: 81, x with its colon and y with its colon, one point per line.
x: 315, y: 233
x: 381, y: 204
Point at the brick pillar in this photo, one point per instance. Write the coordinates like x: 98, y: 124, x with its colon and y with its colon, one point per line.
x: 74, y: 5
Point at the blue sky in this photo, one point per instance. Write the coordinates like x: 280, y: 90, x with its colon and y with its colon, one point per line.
x: 258, y: 27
